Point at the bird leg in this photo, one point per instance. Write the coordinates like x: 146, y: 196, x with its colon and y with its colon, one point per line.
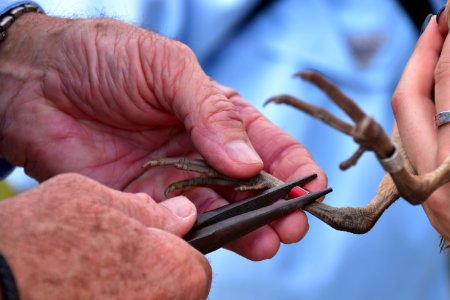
x: 401, y: 179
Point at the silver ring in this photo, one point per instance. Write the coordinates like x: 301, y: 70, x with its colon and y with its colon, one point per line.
x: 441, y: 118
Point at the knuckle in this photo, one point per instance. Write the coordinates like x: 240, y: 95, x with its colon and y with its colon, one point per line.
x: 177, y: 55
x: 173, y: 65
x: 397, y: 99
x: 216, y: 112
x: 183, y: 49
x: 218, y: 109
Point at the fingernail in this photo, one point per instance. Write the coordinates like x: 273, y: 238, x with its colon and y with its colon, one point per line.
x: 180, y: 206
x: 242, y: 152
x: 425, y: 23
x: 438, y: 15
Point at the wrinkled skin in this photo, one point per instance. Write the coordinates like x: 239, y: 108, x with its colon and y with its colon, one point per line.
x: 422, y: 92
x: 99, y: 243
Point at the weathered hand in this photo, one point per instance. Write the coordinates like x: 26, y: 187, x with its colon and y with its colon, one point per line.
x: 99, y: 97
x: 426, y: 75
x: 72, y: 238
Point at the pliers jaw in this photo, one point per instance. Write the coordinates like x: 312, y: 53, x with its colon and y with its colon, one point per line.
x: 263, y: 199
x: 216, y: 228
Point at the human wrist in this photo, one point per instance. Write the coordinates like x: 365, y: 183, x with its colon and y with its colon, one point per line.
x: 16, y: 68
x: 22, y: 65
x: 12, y: 14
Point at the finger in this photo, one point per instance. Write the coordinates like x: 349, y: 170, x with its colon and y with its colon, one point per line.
x: 292, y: 228
x: 437, y: 208
x: 215, y: 126
x: 258, y: 245
x: 412, y: 101
x: 442, y: 98
x: 262, y: 243
x: 219, y: 134
x: 442, y: 20
x: 283, y: 156
x: 175, y: 215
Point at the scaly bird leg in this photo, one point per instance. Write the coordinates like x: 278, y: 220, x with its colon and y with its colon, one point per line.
x: 356, y: 220
x: 401, y: 180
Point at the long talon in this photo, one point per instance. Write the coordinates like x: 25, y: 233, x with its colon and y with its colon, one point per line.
x: 333, y: 92
x: 199, y: 181
x: 184, y: 163
x: 314, y: 111
x: 345, y: 165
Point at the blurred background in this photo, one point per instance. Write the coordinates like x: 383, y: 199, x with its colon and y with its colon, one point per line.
x: 254, y: 47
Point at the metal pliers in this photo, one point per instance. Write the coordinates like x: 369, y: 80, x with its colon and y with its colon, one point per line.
x: 214, y: 229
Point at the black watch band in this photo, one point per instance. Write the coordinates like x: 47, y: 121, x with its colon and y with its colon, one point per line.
x: 7, y: 282
x: 8, y: 17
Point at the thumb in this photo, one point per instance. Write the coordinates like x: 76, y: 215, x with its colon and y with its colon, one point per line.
x: 175, y: 215
x: 214, y: 122
x: 218, y: 132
